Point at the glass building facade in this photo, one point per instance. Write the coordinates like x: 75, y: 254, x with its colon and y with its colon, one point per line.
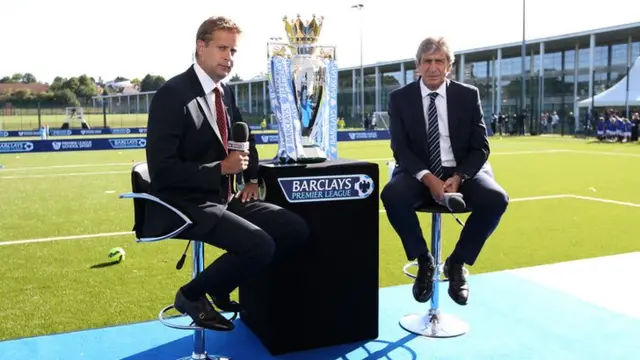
x: 558, y: 73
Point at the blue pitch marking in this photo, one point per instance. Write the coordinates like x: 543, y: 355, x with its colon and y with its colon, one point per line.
x: 511, y: 318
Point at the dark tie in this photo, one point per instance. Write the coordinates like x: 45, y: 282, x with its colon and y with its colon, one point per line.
x: 433, y: 134
x: 221, y: 120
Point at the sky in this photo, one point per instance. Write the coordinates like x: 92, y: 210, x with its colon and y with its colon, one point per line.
x: 132, y: 38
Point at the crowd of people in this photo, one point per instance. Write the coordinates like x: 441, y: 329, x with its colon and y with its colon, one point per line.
x: 612, y: 127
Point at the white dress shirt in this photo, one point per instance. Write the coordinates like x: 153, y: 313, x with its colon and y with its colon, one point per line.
x: 446, y: 152
x: 208, y: 85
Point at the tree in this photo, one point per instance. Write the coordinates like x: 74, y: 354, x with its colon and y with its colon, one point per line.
x: 28, y: 78
x: 151, y: 82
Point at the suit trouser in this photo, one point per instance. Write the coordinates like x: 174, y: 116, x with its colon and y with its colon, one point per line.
x: 254, y: 235
x: 484, y: 197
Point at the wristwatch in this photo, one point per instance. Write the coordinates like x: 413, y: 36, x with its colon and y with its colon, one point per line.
x: 253, y: 181
x: 462, y: 177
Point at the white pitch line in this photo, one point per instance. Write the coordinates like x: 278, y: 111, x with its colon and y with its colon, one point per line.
x: 530, y: 198
x: 605, y: 200
x: 88, y: 236
x: 72, y: 237
x: 71, y: 166
x: 496, y: 153
x: 607, y: 153
x: 27, y: 168
x: 65, y: 174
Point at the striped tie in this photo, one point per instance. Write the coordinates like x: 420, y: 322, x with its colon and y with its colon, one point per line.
x: 433, y: 134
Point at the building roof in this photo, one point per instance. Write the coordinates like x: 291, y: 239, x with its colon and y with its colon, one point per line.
x: 12, y: 87
x: 607, y: 34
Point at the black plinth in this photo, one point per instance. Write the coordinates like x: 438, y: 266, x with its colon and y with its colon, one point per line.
x: 326, y: 293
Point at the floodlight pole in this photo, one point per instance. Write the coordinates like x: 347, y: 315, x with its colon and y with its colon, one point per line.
x: 361, y: 7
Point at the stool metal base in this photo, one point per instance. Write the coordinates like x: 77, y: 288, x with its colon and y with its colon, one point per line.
x: 434, y: 326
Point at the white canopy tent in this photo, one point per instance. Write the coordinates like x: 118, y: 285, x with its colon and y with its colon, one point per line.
x: 616, y: 95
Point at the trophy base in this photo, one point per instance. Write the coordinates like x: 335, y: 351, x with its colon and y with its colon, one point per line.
x: 313, y: 154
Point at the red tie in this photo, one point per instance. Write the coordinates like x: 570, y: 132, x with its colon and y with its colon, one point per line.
x: 221, y: 120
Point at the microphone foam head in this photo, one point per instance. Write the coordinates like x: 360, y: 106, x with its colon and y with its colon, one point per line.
x: 240, y: 132
x: 455, y: 203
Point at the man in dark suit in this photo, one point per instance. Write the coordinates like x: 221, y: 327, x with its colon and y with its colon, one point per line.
x: 439, y: 141
x: 191, y: 168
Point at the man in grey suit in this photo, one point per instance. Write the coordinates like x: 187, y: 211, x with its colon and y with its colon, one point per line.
x: 439, y: 141
x: 192, y: 169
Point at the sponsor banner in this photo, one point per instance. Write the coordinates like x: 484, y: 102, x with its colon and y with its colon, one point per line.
x: 326, y: 188
x: 19, y: 146
x: 71, y: 145
x: 74, y: 132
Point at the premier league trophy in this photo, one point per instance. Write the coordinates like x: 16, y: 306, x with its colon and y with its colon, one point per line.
x: 303, y: 90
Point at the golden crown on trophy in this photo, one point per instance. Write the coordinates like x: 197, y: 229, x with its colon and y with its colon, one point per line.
x: 303, y: 33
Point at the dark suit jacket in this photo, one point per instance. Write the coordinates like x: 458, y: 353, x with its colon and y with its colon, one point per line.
x: 467, y: 131
x: 184, y: 154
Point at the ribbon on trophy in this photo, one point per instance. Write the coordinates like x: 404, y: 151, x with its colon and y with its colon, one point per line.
x: 325, y: 132
x: 283, y: 105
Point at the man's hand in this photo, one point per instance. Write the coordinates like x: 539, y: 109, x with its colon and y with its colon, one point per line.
x: 435, y: 185
x: 452, y: 185
x: 235, y: 162
x: 249, y: 192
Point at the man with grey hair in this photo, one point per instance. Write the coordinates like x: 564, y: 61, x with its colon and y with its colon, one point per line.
x: 439, y: 141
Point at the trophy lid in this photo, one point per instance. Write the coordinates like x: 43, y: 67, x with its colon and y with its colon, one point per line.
x: 303, y: 33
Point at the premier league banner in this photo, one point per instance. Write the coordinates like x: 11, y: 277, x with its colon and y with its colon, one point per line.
x: 73, y: 132
x: 326, y: 188
x: 71, y: 145
x: 25, y: 146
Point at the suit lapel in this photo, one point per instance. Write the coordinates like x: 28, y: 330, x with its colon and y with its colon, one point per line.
x: 206, y: 104
x: 420, y: 125
x: 452, y: 111
x: 226, y: 100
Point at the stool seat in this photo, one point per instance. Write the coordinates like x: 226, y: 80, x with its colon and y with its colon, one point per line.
x: 440, y: 209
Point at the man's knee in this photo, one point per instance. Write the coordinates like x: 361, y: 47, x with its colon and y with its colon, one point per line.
x: 391, y: 194
x: 498, y: 200
x: 295, y: 232
x: 261, y: 248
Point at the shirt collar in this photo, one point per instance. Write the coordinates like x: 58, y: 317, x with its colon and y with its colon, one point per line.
x: 207, y: 83
x: 442, y: 90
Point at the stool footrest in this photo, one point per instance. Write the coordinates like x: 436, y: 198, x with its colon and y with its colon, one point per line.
x: 164, y: 319
x: 205, y: 357
x: 434, y: 325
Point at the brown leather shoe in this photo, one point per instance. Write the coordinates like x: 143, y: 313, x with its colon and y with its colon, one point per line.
x: 202, y: 313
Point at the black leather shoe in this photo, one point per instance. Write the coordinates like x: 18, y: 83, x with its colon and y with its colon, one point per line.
x: 423, y: 284
x: 202, y: 313
x: 225, y: 303
x: 458, y: 286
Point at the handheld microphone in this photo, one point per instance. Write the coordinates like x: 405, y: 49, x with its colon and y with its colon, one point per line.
x: 454, y: 202
x: 239, y: 142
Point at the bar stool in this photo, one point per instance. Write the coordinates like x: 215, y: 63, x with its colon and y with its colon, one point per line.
x: 433, y: 323
x: 140, y: 182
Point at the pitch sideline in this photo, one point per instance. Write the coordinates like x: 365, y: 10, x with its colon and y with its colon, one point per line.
x: 523, y: 199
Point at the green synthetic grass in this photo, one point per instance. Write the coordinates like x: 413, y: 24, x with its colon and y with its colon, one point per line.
x: 56, y: 286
